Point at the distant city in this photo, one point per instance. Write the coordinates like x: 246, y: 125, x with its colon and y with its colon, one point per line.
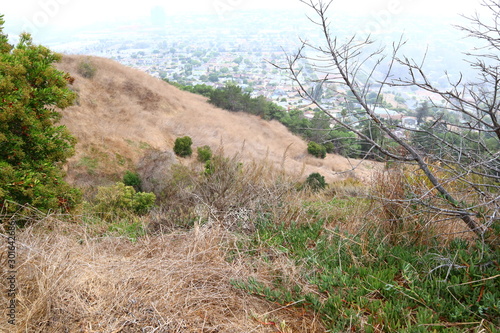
x: 243, y: 48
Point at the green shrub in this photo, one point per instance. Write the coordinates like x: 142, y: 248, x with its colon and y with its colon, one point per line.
x: 209, y: 167
x: 33, y: 145
x: 120, y: 200
x: 204, y: 154
x: 87, y: 69
x: 132, y: 179
x: 316, y: 182
x: 143, y: 202
x: 316, y: 149
x: 330, y: 147
x: 182, y: 146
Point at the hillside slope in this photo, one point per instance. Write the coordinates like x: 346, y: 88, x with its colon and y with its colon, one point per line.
x: 121, y: 113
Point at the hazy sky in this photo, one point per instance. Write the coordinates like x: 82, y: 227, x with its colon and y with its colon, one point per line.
x: 37, y: 15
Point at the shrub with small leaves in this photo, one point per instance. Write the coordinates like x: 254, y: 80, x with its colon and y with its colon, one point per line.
x: 132, y: 179
x: 330, y: 147
x: 209, y: 167
x: 33, y: 144
x: 143, y: 202
x: 316, y: 149
x: 120, y: 200
x: 315, y: 181
x: 182, y: 146
x: 204, y: 154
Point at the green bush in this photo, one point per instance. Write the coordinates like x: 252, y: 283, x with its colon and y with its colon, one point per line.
x: 143, y: 202
x: 33, y: 144
x: 87, y: 69
x: 316, y: 182
x: 182, y: 146
x: 204, y: 154
x: 132, y: 179
x: 120, y: 200
x: 330, y: 147
x: 316, y: 149
x: 209, y: 168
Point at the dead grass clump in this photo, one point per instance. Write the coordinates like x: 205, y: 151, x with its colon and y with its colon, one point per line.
x: 71, y: 281
x: 154, y: 169
x: 87, y: 69
x: 144, y: 96
x: 225, y: 191
x: 177, y: 205
x: 349, y: 187
x: 406, y: 212
x: 399, y: 220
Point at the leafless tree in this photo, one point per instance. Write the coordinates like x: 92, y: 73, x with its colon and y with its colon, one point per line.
x: 459, y: 159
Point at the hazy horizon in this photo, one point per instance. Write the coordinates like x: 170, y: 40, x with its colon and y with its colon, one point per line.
x: 46, y: 18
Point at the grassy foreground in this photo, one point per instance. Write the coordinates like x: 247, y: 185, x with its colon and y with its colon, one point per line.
x: 244, y: 248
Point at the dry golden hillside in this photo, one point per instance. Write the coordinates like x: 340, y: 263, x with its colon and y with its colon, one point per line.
x: 121, y: 113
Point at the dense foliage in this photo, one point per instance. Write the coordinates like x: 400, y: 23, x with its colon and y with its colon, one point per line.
x: 204, y: 154
x: 316, y: 149
x: 119, y: 200
x: 315, y: 181
x: 232, y: 98
x: 32, y: 147
x: 132, y: 179
x: 182, y: 146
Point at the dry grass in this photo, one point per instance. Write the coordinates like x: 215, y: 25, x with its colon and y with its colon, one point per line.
x: 399, y: 204
x: 75, y: 277
x: 71, y: 280
x: 72, y: 277
x: 228, y: 192
x: 120, y: 109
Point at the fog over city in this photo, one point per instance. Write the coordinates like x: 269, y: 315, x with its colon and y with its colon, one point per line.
x: 216, y: 41
x: 40, y: 17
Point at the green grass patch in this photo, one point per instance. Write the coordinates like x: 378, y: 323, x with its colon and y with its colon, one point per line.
x: 122, y: 160
x: 89, y: 163
x: 131, y: 229
x: 140, y: 145
x: 130, y: 226
x: 366, y: 285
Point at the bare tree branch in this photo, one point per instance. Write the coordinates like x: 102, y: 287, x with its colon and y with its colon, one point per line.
x: 460, y: 155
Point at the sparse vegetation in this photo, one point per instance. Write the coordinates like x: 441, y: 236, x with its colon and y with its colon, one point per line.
x: 234, y: 98
x: 232, y: 244
x: 302, y: 255
x: 227, y: 192
x: 87, y: 69
x: 462, y: 157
